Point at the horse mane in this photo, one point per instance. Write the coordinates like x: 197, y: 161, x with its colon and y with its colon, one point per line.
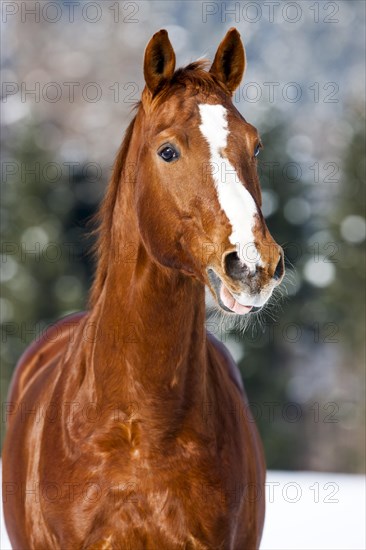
x: 194, y: 76
x: 103, y: 219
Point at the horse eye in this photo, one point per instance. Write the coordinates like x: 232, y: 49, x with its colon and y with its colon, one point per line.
x: 168, y: 153
x: 257, y: 149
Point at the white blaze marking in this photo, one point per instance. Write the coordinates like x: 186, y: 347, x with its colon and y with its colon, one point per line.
x: 235, y: 200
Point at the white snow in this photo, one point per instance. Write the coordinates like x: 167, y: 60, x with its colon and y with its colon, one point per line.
x: 305, y: 511
x: 314, y: 511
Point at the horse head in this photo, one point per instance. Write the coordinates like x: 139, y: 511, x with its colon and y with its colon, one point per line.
x: 197, y: 192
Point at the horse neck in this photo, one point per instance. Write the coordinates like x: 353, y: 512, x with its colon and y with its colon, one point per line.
x: 150, y: 337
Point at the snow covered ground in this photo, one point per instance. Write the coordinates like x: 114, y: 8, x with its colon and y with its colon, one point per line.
x: 312, y: 510
x: 305, y: 511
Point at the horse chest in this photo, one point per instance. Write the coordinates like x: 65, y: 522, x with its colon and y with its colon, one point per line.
x: 182, y: 491
x: 171, y: 509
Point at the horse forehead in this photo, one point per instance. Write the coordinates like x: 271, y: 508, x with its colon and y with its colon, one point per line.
x: 223, y: 118
x: 182, y: 105
x: 176, y: 112
x: 185, y: 110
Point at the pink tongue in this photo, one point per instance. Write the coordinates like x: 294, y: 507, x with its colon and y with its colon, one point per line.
x: 229, y: 301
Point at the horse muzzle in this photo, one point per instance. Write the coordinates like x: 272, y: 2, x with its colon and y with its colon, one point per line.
x: 243, y: 289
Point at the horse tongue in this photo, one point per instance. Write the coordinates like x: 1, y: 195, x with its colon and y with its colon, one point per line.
x: 229, y: 301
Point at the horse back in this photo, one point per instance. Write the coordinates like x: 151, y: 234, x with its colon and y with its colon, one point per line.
x: 255, y: 461
x: 40, y: 354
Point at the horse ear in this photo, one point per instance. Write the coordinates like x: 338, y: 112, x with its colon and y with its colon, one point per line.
x: 229, y: 62
x: 159, y: 61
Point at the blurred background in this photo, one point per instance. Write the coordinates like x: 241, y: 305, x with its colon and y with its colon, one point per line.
x: 71, y: 73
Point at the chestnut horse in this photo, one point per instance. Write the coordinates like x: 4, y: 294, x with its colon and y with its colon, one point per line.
x: 128, y: 425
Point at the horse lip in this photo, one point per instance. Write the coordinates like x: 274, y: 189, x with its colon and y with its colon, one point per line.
x: 216, y: 283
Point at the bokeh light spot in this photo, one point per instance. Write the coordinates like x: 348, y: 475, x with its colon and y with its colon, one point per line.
x: 319, y: 272
x: 353, y: 229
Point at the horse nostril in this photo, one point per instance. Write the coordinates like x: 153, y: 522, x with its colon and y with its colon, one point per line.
x: 279, y: 269
x: 233, y: 266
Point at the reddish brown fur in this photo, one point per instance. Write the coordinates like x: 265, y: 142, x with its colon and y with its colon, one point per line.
x: 148, y: 442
